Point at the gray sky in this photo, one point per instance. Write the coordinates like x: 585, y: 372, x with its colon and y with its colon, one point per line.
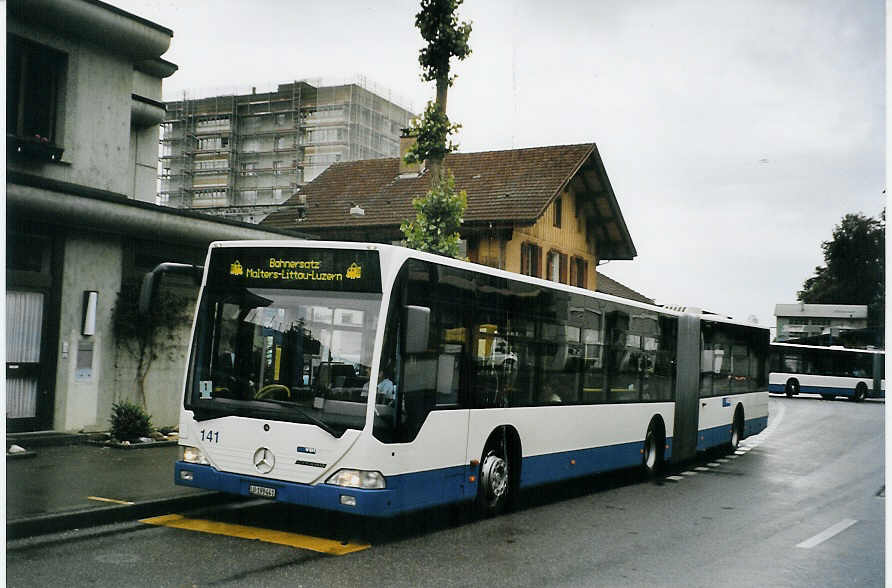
x: 735, y: 134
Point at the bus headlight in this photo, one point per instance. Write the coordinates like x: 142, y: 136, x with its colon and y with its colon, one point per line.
x: 193, y: 455
x: 357, y: 479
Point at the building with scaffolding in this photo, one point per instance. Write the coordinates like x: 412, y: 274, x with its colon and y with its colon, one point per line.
x: 242, y: 156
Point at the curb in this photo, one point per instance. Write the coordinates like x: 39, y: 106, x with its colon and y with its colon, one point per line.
x: 133, y: 446
x: 106, y: 515
x: 46, y: 439
x: 20, y: 454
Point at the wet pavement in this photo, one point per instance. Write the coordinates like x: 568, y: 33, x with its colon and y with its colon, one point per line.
x: 55, y: 488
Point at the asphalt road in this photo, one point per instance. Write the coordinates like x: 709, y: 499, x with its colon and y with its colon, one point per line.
x: 802, y: 504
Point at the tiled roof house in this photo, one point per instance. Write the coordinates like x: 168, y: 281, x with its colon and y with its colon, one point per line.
x: 544, y: 211
x: 608, y: 285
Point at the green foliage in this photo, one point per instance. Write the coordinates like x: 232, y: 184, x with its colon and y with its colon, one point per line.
x: 438, y: 218
x: 855, y: 267
x: 129, y: 422
x: 431, y: 135
x: 445, y: 36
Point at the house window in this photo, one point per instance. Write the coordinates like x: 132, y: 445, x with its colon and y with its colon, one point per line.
x: 531, y: 260
x: 557, y: 212
x: 34, y: 88
x: 556, y: 269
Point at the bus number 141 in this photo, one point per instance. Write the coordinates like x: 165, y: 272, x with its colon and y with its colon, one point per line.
x: 210, y: 436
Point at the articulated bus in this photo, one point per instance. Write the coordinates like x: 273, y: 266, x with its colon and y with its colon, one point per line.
x: 829, y: 371
x: 377, y: 380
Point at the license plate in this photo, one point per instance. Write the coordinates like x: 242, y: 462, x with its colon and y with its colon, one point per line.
x: 261, y: 491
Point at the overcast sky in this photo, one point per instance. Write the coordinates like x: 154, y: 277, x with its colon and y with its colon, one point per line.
x: 736, y: 134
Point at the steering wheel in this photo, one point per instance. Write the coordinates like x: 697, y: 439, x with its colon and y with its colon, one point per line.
x: 270, y: 389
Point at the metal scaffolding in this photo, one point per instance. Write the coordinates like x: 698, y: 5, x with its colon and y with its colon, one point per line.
x: 239, y: 155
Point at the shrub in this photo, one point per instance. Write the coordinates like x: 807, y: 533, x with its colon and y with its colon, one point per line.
x: 129, y: 422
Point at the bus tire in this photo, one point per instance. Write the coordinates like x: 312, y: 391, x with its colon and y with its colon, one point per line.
x: 860, y: 392
x: 792, y: 387
x: 737, y: 429
x: 654, y: 448
x: 499, y: 473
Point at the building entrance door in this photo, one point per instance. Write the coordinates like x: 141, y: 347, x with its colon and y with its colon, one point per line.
x: 24, y: 335
x: 30, y: 369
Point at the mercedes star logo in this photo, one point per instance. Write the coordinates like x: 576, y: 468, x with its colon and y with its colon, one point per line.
x: 264, y: 460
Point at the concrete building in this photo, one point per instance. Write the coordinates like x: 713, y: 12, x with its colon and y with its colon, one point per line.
x: 549, y: 212
x: 84, y: 106
x: 800, y: 321
x: 241, y: 156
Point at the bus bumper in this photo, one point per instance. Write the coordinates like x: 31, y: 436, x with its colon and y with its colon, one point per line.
x: 325, y: 496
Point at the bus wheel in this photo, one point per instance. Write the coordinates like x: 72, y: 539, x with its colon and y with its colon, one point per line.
x: 736, y: 430
x: 494, y: 485
x: 653, y: 450
x: 792, y: 387
x: 860, y: 392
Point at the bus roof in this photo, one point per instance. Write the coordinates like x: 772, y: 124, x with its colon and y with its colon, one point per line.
x: 400, y: 254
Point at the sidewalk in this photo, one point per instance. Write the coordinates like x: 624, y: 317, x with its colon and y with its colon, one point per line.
x: 75, y: 485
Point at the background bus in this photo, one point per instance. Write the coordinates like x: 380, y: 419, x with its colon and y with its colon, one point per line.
x: 485, y: 381
x: 829, y: 371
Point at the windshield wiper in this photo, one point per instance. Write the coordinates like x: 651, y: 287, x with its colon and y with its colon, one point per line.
x: 314, y: 420
x: 240, y: 408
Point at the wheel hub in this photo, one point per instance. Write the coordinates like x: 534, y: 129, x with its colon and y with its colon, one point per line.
x: 494, y: 474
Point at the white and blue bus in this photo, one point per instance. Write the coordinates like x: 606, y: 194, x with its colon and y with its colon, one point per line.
x: 377, y: 380
x: 829, y: 371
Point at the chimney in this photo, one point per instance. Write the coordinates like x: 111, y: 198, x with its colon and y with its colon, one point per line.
x: 408, y: 170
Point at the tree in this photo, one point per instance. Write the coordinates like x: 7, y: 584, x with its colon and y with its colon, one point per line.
x: 438, y: 218
x: 855, y: 267
x: 439, y: 213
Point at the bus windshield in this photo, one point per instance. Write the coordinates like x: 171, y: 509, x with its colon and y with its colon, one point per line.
x: 282, y: 354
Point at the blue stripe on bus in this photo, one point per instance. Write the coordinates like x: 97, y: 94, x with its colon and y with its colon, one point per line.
x: 408, y: 492
x: 554, y: 467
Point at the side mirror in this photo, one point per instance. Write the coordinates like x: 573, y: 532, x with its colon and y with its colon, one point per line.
x: 418, y: 326
x: 151, y: 281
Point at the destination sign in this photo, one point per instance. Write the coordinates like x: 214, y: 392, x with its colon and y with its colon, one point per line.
x: 340, y: 270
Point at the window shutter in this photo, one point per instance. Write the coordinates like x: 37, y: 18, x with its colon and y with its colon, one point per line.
x: 525, y: 259
x: 538, y: 253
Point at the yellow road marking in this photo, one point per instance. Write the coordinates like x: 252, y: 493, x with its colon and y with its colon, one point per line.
x: 318, y: 544
x: 101, y: 499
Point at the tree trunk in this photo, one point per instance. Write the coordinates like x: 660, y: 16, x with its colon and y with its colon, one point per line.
x: 436, y: 163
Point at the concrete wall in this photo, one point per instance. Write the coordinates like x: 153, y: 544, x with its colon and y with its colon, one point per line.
x: 102, y: 149
x: 94, y: 121
x: 91, y: 261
